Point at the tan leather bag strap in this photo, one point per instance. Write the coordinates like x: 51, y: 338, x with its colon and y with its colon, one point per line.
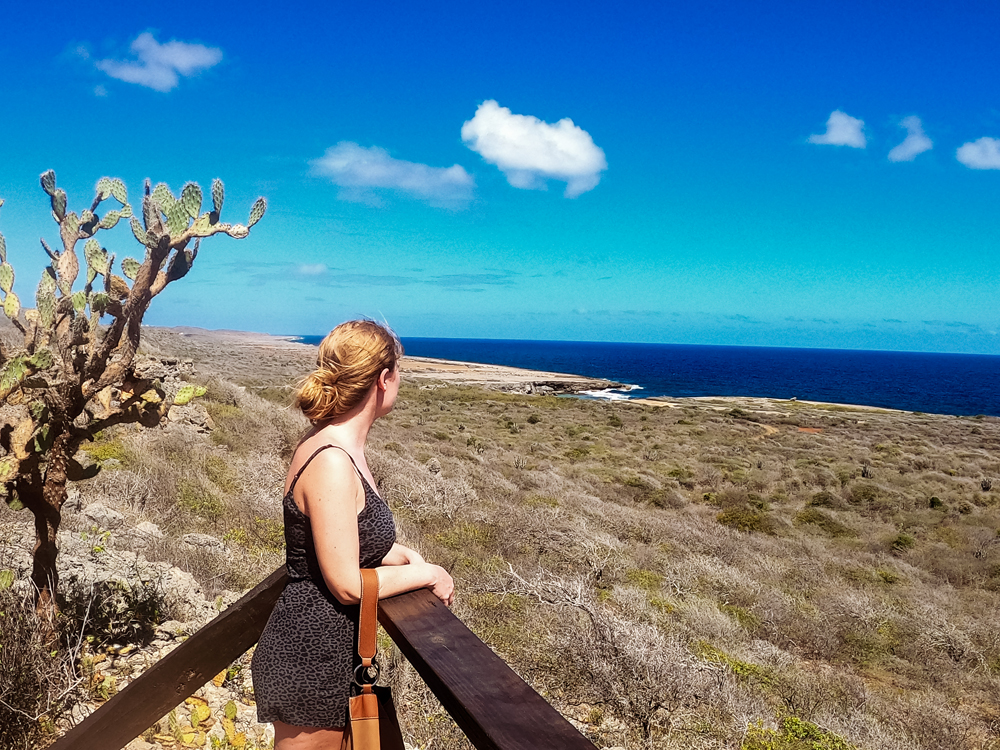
x: 368, y: 617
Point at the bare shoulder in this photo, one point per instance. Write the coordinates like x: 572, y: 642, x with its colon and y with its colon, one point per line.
x: 330, y: 474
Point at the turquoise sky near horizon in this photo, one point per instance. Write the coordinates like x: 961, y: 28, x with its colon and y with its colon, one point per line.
x: 726, y: 178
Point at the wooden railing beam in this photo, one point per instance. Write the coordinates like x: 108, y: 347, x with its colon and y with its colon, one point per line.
x: 495, y: 708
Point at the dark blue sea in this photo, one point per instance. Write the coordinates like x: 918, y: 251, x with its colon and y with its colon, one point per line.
x: 965, y: 384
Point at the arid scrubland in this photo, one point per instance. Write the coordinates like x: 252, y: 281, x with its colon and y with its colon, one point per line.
x: 700, y: 574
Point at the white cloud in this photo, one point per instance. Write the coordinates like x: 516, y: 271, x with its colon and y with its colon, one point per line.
x: 981, y: 154
x: 842, y: 130
x: 99, y: 90
x: 355, y: 167
x: 158, y: 65
x: 529, y: 151
x: 311, y: 269
x: 916, y: 142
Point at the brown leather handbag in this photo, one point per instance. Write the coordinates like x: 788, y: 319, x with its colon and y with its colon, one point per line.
x: 371, y: 714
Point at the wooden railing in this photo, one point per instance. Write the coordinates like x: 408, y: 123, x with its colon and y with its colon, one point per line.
x: 495, y: 708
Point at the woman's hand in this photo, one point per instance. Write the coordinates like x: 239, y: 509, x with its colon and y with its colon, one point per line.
x: 441, y: 585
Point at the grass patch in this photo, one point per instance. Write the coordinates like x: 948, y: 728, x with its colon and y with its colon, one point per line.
x: 194, y: 498
x: 825, y: 522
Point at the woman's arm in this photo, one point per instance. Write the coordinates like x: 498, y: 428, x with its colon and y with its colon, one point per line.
x: 400, y: 555
x: 331, y: 493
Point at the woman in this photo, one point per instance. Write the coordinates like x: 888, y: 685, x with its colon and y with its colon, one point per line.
x: 335, y: 524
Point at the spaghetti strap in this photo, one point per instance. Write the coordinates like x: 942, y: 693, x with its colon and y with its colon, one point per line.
x: 291, y: 487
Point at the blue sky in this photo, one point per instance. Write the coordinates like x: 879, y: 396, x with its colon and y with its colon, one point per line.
x: 717, y: 173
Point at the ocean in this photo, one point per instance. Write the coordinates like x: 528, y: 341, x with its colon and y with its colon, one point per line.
x: 965, y: 384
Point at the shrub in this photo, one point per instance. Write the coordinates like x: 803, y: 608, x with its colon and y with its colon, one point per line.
x: 34, y: 676
x: 534, y: 419
x: 645, y: 579
x: 902, y: 542
x: 221, y: 474
x: 793, y: 734
x: 198, y: 500
x: 117, y: 612
x: 827, y: 523
x: 864, y: 493
x: 104, y: 451
x: 746, y: 519
x: 824, y: 499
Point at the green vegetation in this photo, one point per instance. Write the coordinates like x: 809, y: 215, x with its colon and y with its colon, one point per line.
x: 793, y: 734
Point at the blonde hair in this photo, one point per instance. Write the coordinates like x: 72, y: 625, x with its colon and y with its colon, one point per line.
x: 351, y: 358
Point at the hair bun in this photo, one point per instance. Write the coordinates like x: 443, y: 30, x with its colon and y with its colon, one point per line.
x: 351, y: 358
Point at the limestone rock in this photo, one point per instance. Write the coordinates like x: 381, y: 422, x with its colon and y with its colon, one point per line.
x: 193, y: 415
x: 203, y: 541
x: 104, y: 517
x: 149, y: 529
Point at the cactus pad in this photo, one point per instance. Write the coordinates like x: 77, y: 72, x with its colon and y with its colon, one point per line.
x: 163, y: 197
x: 109, y: 219
x: 48, y: 180
x: 177, y: 219
x: 41, y: 360
x: 14, y: 502
x: 8, y: 469
x: 218, y: 195
x: 67, y: 268
x: 130, y: 267
x: 11, y: 306
x: 202, y: 226
x: 238, y: 231
x: 97, y: 256
x: 188, y: 392
x: 257, y: 212
x: 6, y: 277
x: 103, y: 188
x: 3, y: 249
x: 11, y: 376
x: 118, y: 191
x: 137, y: 230
x: 45, y: 297
x: 191, y: 199
x: 59, y: 204
x: 79, y: 301
x: 117, y: 287
x: 99, y: 302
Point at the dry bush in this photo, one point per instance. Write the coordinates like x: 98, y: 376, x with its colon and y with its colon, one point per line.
x: 37, y: 679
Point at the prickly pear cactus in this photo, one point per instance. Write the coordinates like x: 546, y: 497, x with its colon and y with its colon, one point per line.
x: 74, y: 374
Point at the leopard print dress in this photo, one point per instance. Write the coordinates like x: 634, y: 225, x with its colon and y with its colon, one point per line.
x: 303, y: 666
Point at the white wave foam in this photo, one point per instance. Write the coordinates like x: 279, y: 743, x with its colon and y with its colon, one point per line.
x: 609, y: 394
